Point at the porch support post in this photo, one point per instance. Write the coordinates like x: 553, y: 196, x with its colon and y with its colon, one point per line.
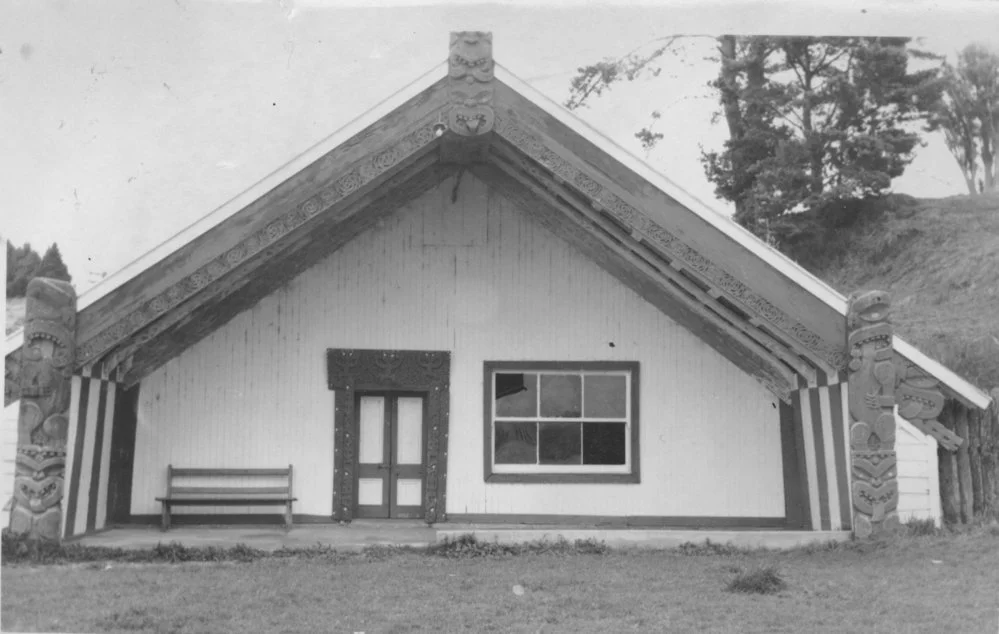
x: 47, y: 360
x: 872, y: 381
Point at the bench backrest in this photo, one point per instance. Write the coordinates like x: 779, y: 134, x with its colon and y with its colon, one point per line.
x: 174, y: 473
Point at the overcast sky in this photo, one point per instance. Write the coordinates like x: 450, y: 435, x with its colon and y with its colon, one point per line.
x: 122, y: 122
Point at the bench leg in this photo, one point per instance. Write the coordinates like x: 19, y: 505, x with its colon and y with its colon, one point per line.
x: 287, y: 516
x: 165, y: 520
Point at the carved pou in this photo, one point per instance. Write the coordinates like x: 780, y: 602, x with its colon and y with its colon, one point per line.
x: 47, y: 359
x: 872, y: 381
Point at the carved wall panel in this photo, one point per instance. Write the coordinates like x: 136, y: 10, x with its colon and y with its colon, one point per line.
x: 601, y: 198
x: 47, y: 360
x: 470, y: 87
x: 406, y: 370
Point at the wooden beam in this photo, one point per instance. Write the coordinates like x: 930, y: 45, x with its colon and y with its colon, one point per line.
x: 507, y: 159
x: 299, y: 238
x: 756, y: 361
x: 207, y: 318
x: 792, y: 308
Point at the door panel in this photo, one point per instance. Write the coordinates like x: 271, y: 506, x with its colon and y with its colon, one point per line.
x: 409, y: 446
x: 390, y: 474
x: 371, y: 449
x: 369, y: 491
x: 373, y: 482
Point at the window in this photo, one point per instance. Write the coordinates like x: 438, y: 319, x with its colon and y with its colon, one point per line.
x: 561, y: 422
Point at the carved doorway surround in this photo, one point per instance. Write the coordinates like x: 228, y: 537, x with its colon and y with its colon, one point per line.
x: 426, y: 372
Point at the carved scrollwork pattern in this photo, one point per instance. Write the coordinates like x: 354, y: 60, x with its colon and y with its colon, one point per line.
x: 470, y: 83
x: 872, y: 381
x: 602, y: 198
x: 45, y: 384
x: 350, y: 371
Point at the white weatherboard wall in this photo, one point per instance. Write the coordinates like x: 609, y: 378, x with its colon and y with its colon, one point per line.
x: 918, y: 475
x: 481, y: 279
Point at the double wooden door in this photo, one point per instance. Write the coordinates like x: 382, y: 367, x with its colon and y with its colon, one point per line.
x: 391, y: 455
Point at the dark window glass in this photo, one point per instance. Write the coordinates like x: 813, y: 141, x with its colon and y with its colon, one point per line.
x: 606, y: 396
x: 516, y: 443
x: 603, y: 443
x: 516, y: 394
x: 559, y: 443
x: 561, y: 395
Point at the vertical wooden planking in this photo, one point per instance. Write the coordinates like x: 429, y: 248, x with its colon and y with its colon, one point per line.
x: 480, y: 278
x: 963, y: 463
x: 103, y: 475
x: 829, y: 457
x: 803, y: 406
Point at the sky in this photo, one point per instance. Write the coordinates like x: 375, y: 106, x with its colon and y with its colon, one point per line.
x: 123, y: 122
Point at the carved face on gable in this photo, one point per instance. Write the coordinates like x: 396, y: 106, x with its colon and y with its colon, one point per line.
x: 872, y: 306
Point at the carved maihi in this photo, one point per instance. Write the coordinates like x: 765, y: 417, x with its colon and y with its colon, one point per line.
x: 872, y: 381
x: 470, y: 88
x: 45, y: 383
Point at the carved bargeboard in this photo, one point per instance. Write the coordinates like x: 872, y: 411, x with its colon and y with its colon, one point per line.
x: 45, y: 384
x: 407, y: 370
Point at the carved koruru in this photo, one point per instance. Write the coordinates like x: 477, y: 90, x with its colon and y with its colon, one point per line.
x: 470, y: 88
x: 45, y: 384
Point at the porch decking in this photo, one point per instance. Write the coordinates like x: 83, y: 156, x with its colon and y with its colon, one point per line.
x: 362, y: 533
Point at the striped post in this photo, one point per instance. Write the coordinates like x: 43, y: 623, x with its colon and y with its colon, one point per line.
x: 47, y: 360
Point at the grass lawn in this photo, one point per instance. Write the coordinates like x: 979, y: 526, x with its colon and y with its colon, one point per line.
x: 916, y: 584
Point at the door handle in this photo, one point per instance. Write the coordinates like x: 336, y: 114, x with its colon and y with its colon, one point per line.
x: 382, y: 467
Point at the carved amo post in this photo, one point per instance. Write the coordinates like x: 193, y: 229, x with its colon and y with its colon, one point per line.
x: 872, y: 380
x: 47, y: 360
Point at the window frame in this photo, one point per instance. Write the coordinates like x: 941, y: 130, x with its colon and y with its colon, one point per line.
x: 599, y: 474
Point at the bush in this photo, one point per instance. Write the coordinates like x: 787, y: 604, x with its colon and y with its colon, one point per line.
x: 708, y: 549
x: 468, y: 546
x: 19, y: 548
x: 764, y: 580
x: 919, y: 528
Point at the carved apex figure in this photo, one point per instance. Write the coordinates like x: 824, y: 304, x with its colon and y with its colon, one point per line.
x: 470, y: 73
x: 872, y: 381
x: 47, y: 359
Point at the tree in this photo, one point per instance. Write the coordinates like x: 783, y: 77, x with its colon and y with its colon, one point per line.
x: 810, y: 119
x: 53, y: 266
x: 24, y: 264
x: 968, y: 115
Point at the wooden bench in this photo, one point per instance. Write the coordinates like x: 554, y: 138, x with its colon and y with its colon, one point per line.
x: 226, y: 496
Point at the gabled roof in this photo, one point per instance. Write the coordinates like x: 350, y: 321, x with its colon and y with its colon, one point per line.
x: 765, y: 313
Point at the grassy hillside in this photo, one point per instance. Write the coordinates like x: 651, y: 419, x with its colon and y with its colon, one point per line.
x: 938, y: 257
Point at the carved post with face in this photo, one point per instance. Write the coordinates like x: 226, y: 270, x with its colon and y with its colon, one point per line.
x: 47, y: 360
x: 470, y: 83
x: 872, y: 382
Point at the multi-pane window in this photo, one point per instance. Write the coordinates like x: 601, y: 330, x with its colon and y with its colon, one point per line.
x: 557, y: 421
